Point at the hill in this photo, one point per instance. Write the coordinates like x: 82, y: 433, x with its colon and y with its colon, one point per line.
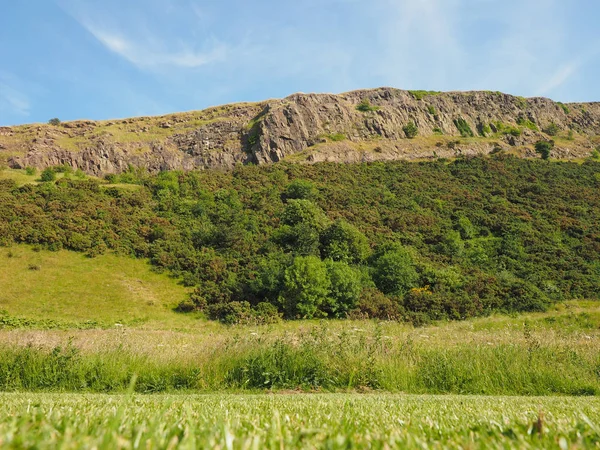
x: 366, y: 125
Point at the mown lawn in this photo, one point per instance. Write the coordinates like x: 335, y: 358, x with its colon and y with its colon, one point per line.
x: 296, y: 421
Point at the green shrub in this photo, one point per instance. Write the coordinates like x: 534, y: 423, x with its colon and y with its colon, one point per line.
x: 420, y: 95
x: 483, y: 129
x: 513, y: 131
x: 342, y: 241
x: 431, y: 110
x: 231, y: 313
x: 552, y: 129
x: 527, y: 123
x: 544, y: 148
x: 463, y: 127
x: 345, y: 289
x: 410, y: 130
x: 300, y: 190
x: 438, y: 131
x: 48, y: 175
x: 373, y: 304
x: 365, y: 106
x: 336, y: 137
x: 30, y: 170
x: 564, y: 107
x: 55, y: 121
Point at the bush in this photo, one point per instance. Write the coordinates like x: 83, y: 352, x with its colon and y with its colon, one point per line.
x: 55, y: 121
x: 300, y: 190
x: 231, y: 313
x: 522, y: 121
x: 48, y: 175
x: 30, y: 170
x: 365, y: 106
x: 552, y: 129
x: 373, y: 304
x: 410, y: 130
x: 544, y: 148
x: 266, y: 313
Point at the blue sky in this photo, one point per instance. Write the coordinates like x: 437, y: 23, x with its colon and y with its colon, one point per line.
x: 101, y: 59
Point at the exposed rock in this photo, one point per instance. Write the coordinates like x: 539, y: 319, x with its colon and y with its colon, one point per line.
x: 307, y: 128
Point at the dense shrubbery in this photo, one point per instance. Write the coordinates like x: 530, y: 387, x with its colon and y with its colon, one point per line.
x: 415, y: 241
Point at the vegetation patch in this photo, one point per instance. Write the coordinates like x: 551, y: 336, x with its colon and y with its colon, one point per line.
x: 463, y: 127
x: 420, y: 95
x: 365, y: 106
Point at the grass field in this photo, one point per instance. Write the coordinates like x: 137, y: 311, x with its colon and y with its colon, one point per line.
x: 334, y: 421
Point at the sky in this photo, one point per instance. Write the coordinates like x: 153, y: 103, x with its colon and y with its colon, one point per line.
x: 103, y: 59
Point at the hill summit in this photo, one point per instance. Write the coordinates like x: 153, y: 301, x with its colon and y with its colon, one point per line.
x: 364, y: 125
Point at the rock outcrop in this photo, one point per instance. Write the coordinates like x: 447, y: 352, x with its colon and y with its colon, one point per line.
x: 365, y: 125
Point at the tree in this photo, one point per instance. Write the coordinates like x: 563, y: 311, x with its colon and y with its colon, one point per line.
x: 55, y: 121
x: 306, y: 287
x: 410, y: 130
x: 395, y: 272
x: 544, y: 148
x: 344, y: 242
x: 346, y: 287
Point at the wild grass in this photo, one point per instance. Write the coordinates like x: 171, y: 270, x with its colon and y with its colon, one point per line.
x: 339, y: 421
x: 521, y: 356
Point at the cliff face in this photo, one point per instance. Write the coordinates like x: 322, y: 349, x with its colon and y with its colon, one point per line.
x: 309, y: 128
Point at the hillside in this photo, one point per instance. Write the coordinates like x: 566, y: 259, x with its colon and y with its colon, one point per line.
x: 66, y: 289
x: 391, y: 240
x: 365, y: 125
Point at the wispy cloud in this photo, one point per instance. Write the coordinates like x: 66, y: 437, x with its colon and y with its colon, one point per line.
x: 559, y: 77
x: 12, y: 100
x: 144, y: 54
x: 146, y: 45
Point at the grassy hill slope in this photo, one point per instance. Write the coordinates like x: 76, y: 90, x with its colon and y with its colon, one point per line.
x: 67, y: 286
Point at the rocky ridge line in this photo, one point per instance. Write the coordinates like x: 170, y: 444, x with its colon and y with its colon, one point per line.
x: 310, y: 128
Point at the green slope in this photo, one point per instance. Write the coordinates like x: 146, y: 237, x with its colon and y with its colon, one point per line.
x: 67, y: 286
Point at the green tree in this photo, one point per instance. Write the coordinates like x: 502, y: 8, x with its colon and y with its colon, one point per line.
x: 55, y: 121
x: 342, y: 241
x: 306, y: 287
x: 346, y: 287
x: 394, y: 272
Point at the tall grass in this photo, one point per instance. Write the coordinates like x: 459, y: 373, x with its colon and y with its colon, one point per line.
x: 318, y: 359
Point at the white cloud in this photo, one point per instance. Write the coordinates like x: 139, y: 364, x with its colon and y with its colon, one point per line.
x: 145, y: 54
x: 144, y: 41
x: 558, y: 78
x: 12, y: 100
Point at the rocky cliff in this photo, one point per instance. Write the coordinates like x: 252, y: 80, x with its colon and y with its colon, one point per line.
x: 366, y: 125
